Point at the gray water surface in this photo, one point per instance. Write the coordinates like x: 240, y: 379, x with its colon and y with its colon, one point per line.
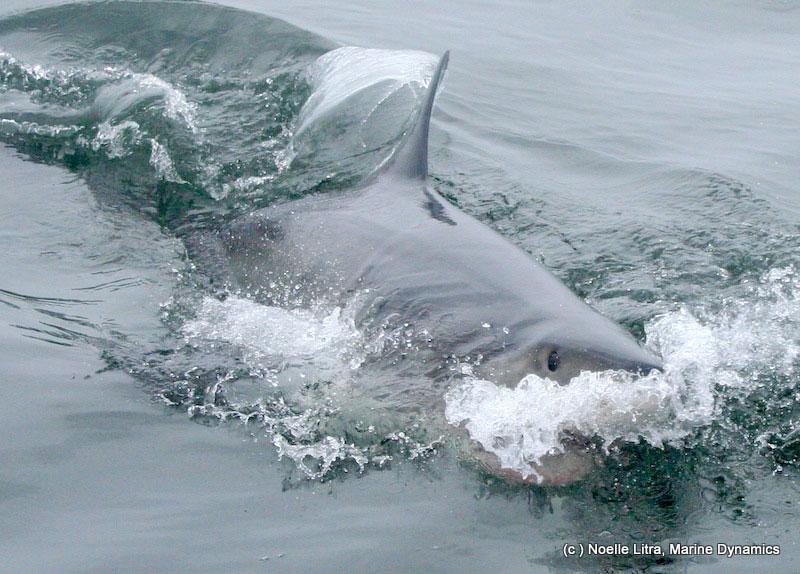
x: 648, y: 156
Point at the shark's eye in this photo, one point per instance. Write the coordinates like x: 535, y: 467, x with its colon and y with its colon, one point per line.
x: 553, y: 361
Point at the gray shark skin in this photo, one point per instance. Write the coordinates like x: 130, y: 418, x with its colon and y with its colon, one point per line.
x: 409, y: 256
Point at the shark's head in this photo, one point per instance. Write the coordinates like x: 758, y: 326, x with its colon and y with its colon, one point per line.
x: 560, y: 349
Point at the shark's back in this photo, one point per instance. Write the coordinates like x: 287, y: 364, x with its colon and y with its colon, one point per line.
x: 398, y: 241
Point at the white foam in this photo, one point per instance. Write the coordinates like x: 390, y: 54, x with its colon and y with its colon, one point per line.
x: 121, y: 91
x: 116, y: 98
x: 244, y: 185
x: 703, y: 354
x: 161, y: 162
x: 118, y: 140
x: 269, y: 335
x: 8, y: 126
x: 272, y: 339
x: 316, y: 459
x: 33, y: 75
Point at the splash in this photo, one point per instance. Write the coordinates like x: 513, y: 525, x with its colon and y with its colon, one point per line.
x: 114, y: 95
x: 86, y: 111
x: 340, y: 74
x: 65, y: 87
x: 110, y: 93
x: 162, y: 163
x: 117, y: 140
x: 130, y: 90
x: 270, y: 336
x: 113, y: 112
x: 288, y: 352
x: 707, y: 355
x: 365, y: 98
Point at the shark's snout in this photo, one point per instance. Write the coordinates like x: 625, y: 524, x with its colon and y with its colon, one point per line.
x: 562, y: 350
x: 643, y: 363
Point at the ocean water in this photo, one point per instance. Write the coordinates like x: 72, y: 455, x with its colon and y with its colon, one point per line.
x: 155, y: 421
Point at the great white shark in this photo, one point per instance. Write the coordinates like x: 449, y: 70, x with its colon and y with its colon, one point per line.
x: 408, y: 256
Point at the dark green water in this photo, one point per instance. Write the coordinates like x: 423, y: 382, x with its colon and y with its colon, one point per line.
x: 154, y: 421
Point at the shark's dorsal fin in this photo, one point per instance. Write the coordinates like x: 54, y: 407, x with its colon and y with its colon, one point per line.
x: 410, y: 161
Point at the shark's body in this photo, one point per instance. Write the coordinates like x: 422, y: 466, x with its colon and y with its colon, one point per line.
x: 410, y: 257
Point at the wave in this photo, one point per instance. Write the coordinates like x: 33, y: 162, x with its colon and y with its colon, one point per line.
x: 709, y: 356
x: 206, y: 138
x: 194, y: 125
